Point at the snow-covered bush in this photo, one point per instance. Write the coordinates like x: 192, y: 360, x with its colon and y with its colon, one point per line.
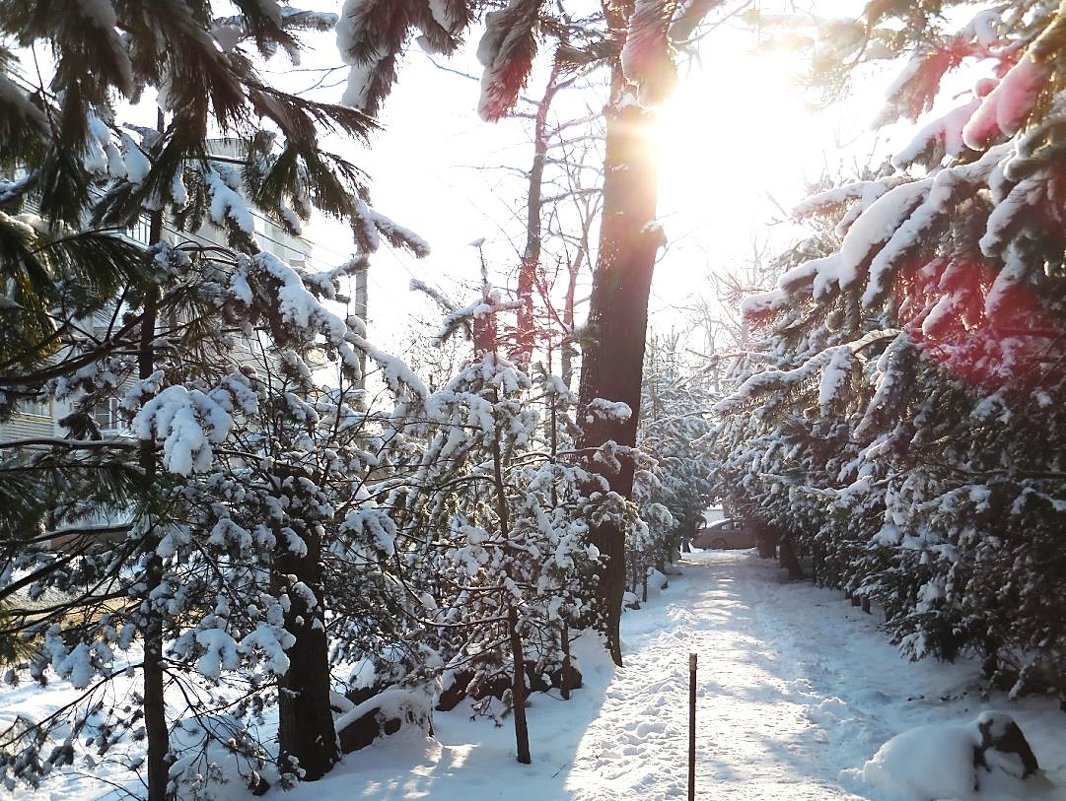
x: 987, y: 757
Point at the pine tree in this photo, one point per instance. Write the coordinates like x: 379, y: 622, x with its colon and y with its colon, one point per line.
x: 97, y: 319
x: 906, y: 432
x: 675, y: 425
x: 493, y: 528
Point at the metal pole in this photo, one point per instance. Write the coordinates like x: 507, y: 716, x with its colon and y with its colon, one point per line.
x: 691, y: 727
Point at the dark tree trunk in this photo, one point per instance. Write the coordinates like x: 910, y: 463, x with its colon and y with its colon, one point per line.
x: 305, y: 723
x: 612, y: 364
x: 518, y: 689
x: 564, y: 689
x: 518, y: 685
x: 157, y: 736
x: 788, y: 559
x: 155, y: 719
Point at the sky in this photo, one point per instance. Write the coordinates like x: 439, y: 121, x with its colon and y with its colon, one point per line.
x: 739, y: 143
x: 798, y: 697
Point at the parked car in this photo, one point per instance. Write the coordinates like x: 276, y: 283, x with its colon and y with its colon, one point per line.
x: 728, y: 533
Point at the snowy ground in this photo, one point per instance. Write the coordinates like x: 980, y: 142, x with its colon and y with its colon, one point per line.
x: 796, y: 691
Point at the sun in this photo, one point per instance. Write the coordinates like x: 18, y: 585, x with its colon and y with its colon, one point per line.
x: 737, y: 143
x: 736, y: 123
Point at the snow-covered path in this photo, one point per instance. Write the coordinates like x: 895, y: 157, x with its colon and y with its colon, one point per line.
x: 762, y: 689
x: 794, y: 688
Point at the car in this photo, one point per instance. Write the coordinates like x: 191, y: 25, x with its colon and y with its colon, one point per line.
x: 728, y: 533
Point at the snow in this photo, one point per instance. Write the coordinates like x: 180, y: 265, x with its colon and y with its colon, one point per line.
x: 836, y: 375
x: 269, y: 643
x: 270, y: 9
x: 101, y: 14
x: 942, y: 134
x: 220, y: 651
x: 136, y: 165
x: 877, y: 225
x: 984, y: 27
x: 393, y: 703
x: 188, y: 422
x: 506, y: 47
x: 799, y: 697
x: 374, y: 224
x: 227, y: 204
x: 356, y: 94
x: 443, y: 15
x: 1005, y: 108
x: 883, y: 233
x: 759, y: 382
x: 938, y: 761
x: 362, y: 66
x: 14, y: 99
x: 646, y: 49
x: 603, y: 409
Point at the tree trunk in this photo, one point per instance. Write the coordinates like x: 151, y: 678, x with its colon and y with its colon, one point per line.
x: 157, y: 736
x: 155, y: 718
x: 565, y: 679
x: 787, y: 557
x: 518, y: 685
x: 305, y: 722
x: 527, y: 272
x: 518, y: 689
x: 612, y: 364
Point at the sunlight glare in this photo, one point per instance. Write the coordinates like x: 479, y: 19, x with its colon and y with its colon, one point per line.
x: 737, y: 143
x: 734, y: 127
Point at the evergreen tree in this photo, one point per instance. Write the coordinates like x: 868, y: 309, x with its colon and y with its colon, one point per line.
x: 491, y: 526
x: 675, y: 424
x: 96, y: 319
x: 903, y: 422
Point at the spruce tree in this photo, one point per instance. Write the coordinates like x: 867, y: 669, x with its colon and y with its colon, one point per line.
x: 903, y: 426
x: 156, y: 328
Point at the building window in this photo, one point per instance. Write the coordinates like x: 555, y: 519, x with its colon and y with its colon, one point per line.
x: 141, y: 230
x: 107, y: 416
x: 36, y: 409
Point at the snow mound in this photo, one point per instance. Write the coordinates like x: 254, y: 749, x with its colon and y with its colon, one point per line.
x: 985, y: 759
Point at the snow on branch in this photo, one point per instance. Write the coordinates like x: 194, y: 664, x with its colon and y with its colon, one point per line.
x: 892, y: 227
x: 102, y: 31
x: 867, y: 235
x: 16, y: 110
x: 603, y: 409
x: 188, y: 422
x: 506, y: 51
x: 228, y: 208
x: 373, y: 225
x: 831, y: 367
x: 295, y: 313
x: 1005, y: 108
x: 942, y: 138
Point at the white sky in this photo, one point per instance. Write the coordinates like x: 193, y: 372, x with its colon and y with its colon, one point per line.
x: 737, y: 137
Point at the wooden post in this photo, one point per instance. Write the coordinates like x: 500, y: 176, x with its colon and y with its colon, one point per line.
x: 691, y: 727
